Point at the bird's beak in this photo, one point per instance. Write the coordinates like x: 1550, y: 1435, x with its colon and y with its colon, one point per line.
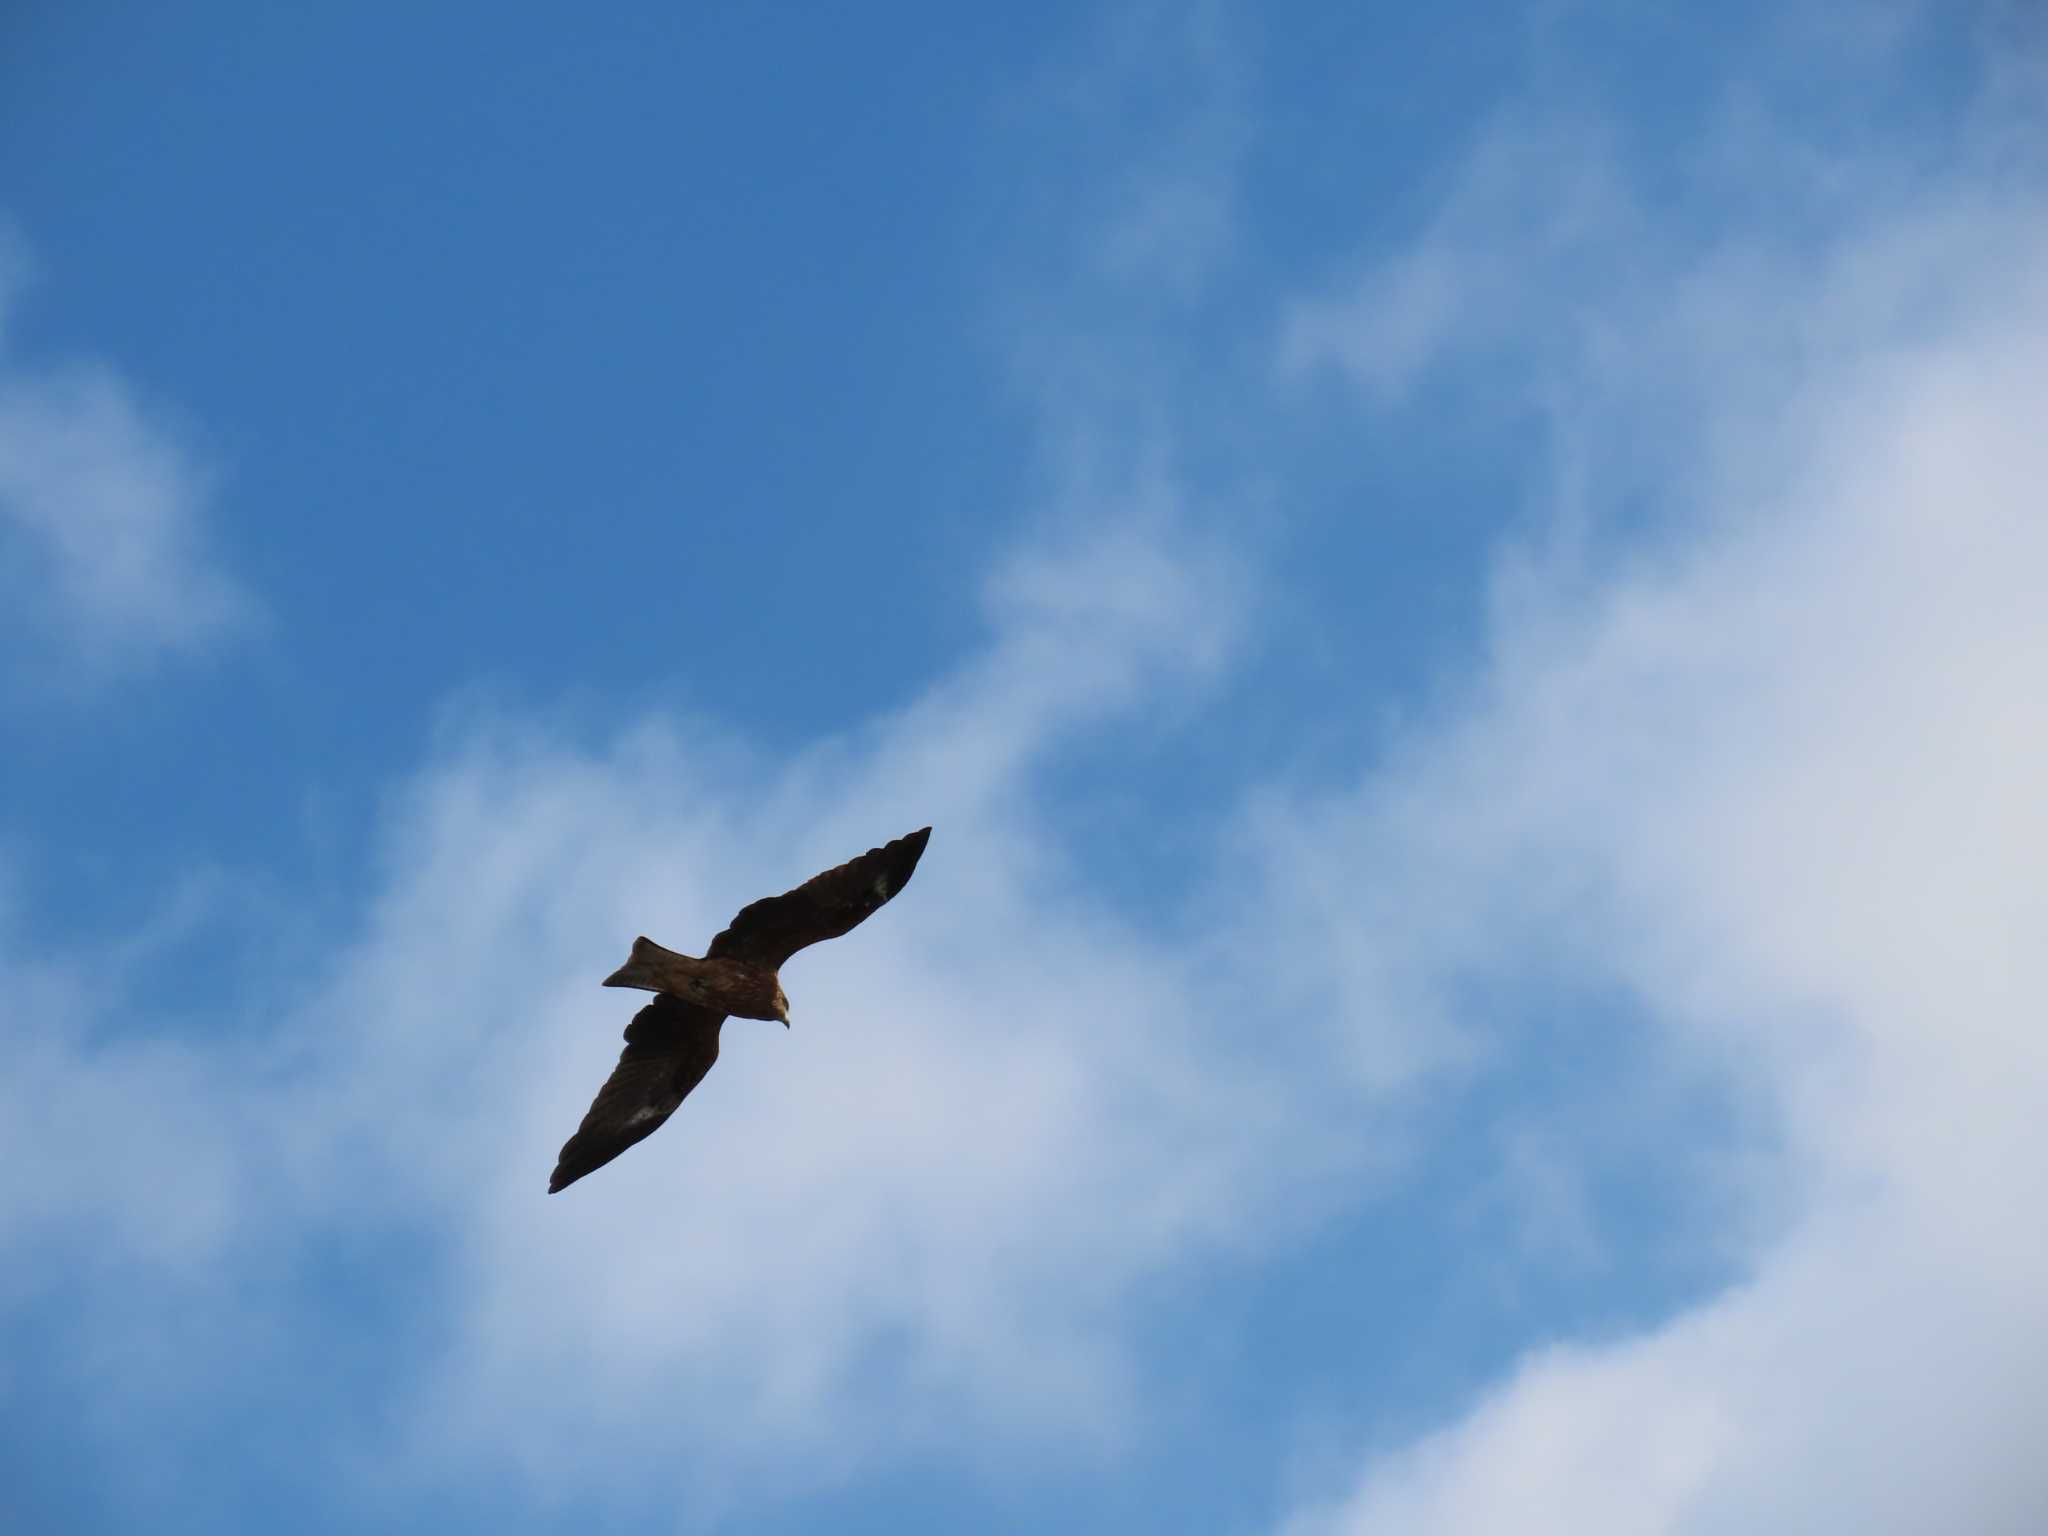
x: 784, y: 1016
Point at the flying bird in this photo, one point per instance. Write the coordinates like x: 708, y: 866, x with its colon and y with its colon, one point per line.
x: 673, y: 1041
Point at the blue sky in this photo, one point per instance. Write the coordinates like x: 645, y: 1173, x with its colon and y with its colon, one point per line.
x: 1461, y: 592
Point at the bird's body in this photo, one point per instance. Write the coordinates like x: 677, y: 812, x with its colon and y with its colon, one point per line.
x: 731, y: 986
x: 673, y: 1041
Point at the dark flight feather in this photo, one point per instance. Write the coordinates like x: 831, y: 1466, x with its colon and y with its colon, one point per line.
x: 769, y: 931
x: 670, y: 1045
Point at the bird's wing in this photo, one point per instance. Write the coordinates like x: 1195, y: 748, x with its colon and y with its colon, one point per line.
x: 670, y: 1045
x: 768, y: 932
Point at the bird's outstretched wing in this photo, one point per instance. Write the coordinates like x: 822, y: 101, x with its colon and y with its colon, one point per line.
x: 670, y: 1045
x: 768, y: 932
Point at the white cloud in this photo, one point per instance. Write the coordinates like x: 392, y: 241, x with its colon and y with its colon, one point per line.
x: 102, y: 539
x: 922, y: 1214
x: 984, y: 1127
x: 1772, y: 778
x: 1778, y: 776
x: 1523, y: 212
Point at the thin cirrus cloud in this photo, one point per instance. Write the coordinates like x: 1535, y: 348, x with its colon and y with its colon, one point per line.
x: 109, y: 565
x: 1774, y: 775
x: 1529, y: 199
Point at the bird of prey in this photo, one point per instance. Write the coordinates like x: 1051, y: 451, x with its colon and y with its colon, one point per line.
x: 673, y: 1041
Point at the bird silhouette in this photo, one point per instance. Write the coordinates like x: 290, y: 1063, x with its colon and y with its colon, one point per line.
x: 673, y: 1041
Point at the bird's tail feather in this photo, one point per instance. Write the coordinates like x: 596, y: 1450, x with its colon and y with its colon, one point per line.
x: 647, y: 967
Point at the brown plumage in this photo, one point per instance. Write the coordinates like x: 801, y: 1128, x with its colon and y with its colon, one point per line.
x: 673, y: 1041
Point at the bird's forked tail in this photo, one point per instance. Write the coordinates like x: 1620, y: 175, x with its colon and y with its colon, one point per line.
x: 647, y: 968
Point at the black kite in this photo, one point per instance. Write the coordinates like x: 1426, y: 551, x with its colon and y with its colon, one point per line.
x: 673, y: 1041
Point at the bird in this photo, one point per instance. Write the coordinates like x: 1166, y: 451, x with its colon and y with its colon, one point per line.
x: 673, y: 1041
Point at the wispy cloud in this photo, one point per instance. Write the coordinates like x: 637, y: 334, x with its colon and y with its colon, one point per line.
x: 1766, y: 772
x: 924, y: 1210
x: 1773, y: 774
x: 922, y: 1218
x: 108, y: 564
x: 1528, y: 206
